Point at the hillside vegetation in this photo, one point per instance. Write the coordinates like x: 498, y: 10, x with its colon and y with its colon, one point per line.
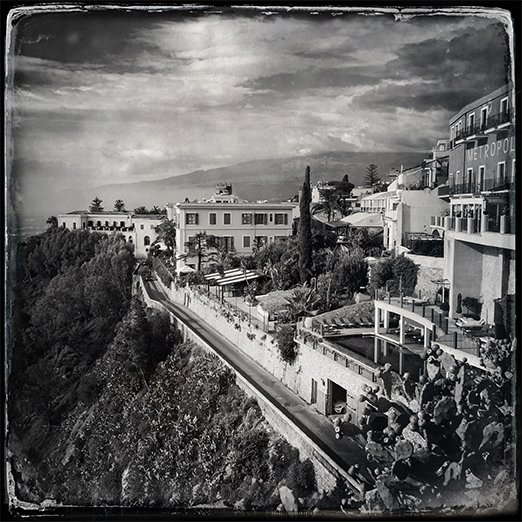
x: 108, y: 407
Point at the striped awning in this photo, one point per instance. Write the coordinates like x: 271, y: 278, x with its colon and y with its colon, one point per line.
x: 230, y: 277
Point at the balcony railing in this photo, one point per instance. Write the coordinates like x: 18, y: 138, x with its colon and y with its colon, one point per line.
x: 492, y: 121
x: 111, y: 229
x: 476, y: 187
x: 473, y: 225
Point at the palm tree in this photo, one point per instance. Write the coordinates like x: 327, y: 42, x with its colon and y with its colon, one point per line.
x: 166, y: 231
x: 119, y: 205
x: 304, y: 300
x: 52, y: 221
x: 155, y: 210
x: 328, y: 205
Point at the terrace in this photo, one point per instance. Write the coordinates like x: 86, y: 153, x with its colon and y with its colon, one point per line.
x: 421, y: 323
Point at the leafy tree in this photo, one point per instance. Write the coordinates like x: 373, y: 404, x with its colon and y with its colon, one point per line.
x: 141, y: 210
x: 157, y: 210
x: 119, y: 205
x: 286, y: 344
x: 329, y: 204
x: 372, y: 176
x: 166, y: 231
x: 397, y: 273
x: 304, y: 231
x: 52, y: 222
x: 199, y: 246
x: 96, y: 205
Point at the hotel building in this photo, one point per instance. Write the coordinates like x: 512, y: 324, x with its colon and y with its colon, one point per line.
x: 235, y: 225
x: 138, y: 229
x: 479, y: 232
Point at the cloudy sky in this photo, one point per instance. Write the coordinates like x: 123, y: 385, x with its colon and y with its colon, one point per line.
x: 110, y: 97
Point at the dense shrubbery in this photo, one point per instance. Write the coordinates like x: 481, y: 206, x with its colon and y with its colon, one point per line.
x: 395, y: 273
x: 108, y: 407
x: 73, y: 288
x: 286, y: 344
x: 162, y: 272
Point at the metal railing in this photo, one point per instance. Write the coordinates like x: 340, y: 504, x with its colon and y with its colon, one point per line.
x: 478, y: 187
x: 493, y: 120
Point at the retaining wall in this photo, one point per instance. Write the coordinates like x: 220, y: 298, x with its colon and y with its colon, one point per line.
x: 326, y: 470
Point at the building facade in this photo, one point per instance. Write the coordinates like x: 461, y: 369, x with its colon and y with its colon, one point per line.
x: 479, y: 232
x: 138, y: 229
x: 234, y: 225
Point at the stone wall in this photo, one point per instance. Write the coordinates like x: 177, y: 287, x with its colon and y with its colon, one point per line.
x: 326, y: 470
x: 430, y: 269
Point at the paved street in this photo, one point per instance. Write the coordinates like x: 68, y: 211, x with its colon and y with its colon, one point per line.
x: 344, y: 452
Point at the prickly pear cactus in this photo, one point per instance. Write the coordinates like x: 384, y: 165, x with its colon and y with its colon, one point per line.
x: 403, y: 450
x: 493, y: 434
x: 378, y: 451
x: 427, y: 393
x: 448, y: 362
x: 433, y: 368
x: 452, y: 472
x: 444, y: 410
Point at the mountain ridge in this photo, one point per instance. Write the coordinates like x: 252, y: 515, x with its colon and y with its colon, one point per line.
x: 270, y: 179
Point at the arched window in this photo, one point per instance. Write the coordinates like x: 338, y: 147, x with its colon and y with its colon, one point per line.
x: 146, y: 240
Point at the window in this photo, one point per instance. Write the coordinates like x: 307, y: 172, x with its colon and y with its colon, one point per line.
x: 483, y: 117
x: 313, y: 394
x: 74, y: 226
x: 122, y: 224
x: 246, y: 241
x: 471, y: 121
x: 90, y: 223
x: 98, y: 223
x: 106, y: 223
x: 152, y: 227
x: 513, y: 170
x: 225, y: 243
x: 212, y: 219
x: 501, y: 171
x: 482, y: 175
x: 260, y: 219
x: 146, y: 240
x: 192, y: 218
x: 470, y: 176
x: 142, y: 227
x: 457, y: 177
x: 271, y: 218
x: 83, y: 224
x: 226, y: 218
x: 504, y: 106
x: 246, y: 219
x: 281, y: 219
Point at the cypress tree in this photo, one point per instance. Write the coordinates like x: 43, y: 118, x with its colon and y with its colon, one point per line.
x: 304, y: 231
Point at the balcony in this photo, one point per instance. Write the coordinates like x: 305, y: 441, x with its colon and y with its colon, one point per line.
x: 478, y: 129
x: 474, y: 187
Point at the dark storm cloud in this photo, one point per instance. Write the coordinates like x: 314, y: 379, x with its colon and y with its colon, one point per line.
x: 449, y: 74
x: 314, y: 78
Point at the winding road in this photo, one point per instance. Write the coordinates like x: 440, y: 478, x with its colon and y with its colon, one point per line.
x: 344, y: 452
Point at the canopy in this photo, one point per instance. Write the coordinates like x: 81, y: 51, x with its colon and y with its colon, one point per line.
x: 364, y: 220
x: 230, y: 277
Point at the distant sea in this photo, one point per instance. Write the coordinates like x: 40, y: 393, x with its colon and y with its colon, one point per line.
x: 28, y: 226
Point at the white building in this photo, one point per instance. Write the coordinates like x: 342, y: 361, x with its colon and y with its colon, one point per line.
x: 138, y: 229
x: 235, y: 225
